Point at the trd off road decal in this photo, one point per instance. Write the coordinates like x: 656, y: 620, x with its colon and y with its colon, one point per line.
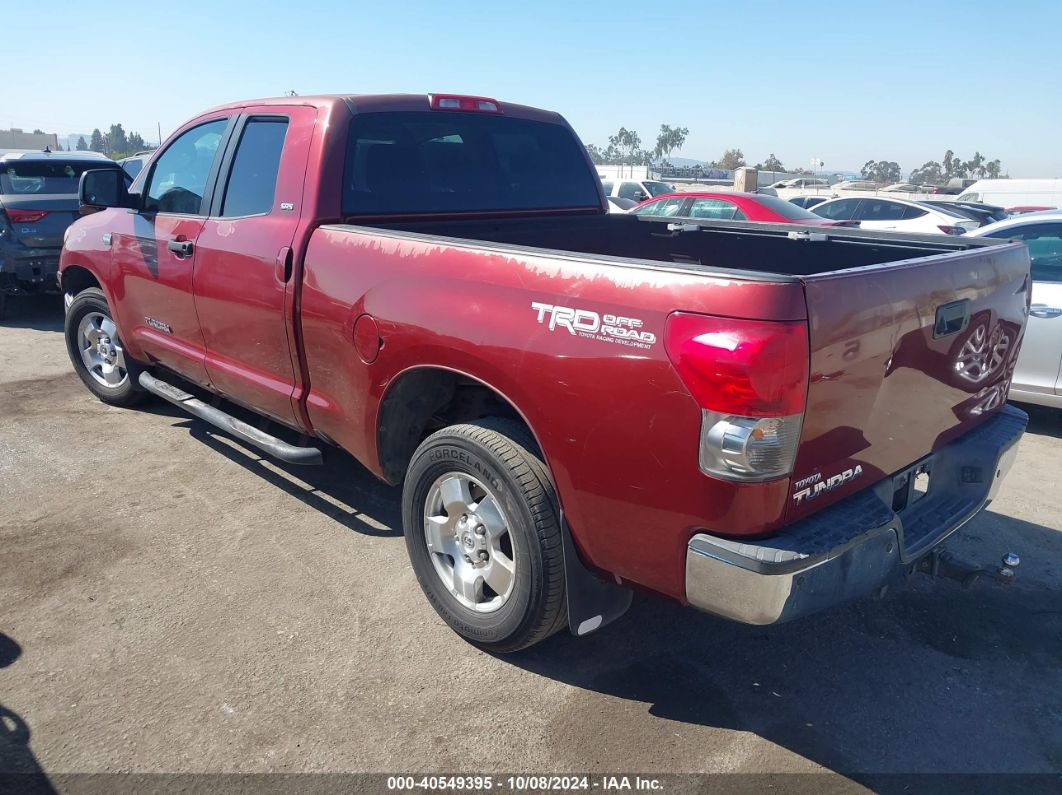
x: 604, y: 328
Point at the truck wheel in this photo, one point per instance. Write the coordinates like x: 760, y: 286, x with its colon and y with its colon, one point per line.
x: 96, y: 351
x: 483, y: 534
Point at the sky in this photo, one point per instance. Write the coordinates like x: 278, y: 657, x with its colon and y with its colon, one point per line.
x: 843, y: 82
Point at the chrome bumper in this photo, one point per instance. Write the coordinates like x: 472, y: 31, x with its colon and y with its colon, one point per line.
x: 858, y: 545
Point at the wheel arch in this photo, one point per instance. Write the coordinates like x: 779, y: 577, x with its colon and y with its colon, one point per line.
x: 422, y: 398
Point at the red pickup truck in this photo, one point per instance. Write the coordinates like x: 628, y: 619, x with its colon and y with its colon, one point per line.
x: 757, y: 420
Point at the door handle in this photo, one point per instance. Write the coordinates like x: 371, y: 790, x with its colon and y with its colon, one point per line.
x: 182, y: 248
x: 1045, y: 311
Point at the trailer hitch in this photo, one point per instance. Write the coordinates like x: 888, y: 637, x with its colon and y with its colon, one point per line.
x: 942, y: 563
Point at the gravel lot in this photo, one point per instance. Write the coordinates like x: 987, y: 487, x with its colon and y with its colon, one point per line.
x: 169, y: 601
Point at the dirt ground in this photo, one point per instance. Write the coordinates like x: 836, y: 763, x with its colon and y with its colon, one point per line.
x: 171, y: 602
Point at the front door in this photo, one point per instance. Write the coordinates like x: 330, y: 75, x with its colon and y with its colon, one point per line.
x: 243, y: 288
x: 154, y: 250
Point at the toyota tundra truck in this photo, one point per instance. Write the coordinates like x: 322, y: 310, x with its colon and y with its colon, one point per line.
x: 757, y: 420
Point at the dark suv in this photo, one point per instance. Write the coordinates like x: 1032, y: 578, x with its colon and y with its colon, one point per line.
x: 38, y: 201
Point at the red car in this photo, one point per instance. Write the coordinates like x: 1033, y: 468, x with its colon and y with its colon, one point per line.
x: 576, y: 402
x: 732, y: 206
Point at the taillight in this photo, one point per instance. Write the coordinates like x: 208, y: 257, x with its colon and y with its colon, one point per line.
x: 458, y: 102
x: 750, y: 378
x: 24, y: 216
x: 951, y: 230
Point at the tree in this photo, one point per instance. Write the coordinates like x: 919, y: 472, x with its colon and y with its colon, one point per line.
x: 96, y: 142
x: 81, y: 145
x: 950, y: 164
x: 627, y: 145
x: 772, y: 163
x: 669, y: 139
x: 993, y: 168
x: 136, y: 142
x: 881, y: 171
x: 731, y: 159
x: 596, y: 155
x: 38, y: 131
x: 975, y: 166
x: 117, y: 142
x: 930, y: 173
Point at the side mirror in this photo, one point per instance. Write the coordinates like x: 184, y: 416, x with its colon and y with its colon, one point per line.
x: 104, y: 187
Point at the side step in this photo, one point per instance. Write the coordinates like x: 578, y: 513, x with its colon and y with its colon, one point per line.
x: 226, y: 422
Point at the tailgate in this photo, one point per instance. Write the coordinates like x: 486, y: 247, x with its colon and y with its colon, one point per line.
x: 60, y: 210
x: 905, y: 357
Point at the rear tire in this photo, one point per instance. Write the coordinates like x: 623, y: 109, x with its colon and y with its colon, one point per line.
x: 483, y: 534
x: 96, y: 351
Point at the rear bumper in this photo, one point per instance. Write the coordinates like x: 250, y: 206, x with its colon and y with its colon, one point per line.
x: 27, y: 269
x: 855, y: 547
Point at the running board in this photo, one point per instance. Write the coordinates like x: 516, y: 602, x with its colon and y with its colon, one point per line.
x: 226, y: 422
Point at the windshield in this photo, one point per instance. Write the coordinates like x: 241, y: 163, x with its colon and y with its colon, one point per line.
x: 430, y: 162
x: 785, y: 208
x: 48, y: 177
x: 657, y: 188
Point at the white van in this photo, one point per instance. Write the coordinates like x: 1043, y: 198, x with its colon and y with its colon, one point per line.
x: 1015, y: 192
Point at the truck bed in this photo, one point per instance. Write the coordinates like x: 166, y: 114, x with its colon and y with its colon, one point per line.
x: 728, y: 246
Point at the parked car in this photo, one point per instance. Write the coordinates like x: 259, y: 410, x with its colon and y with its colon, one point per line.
x: 802, y: 182
x: 984, y: 213
x: 734, y: 417
x: 807, y: 202
x: 902, y: 187
x: 898, y: 215
x: 38, y: 201
x: 1022, y: 209
x: 1016, y: 192
x: 637, y: 190
x: 856, y: 184
x: 954, y: 186
x: 1038, y: 373
x: 134, y: 163
x: 732, y: 206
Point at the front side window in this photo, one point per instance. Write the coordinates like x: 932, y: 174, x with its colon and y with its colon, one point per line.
x: 664, y: 208
x: 1045, y: 249
x: 253, y: 179
x: 880, y: 210
x: 841, y: 210
x: 178, y: 179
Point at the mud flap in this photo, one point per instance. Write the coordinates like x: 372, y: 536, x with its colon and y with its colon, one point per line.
x: 592, y: 601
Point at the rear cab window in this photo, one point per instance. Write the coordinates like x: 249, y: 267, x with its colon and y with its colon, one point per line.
x: 412, y: 162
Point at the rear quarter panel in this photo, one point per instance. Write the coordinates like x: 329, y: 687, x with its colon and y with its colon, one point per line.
x: 618, y: 428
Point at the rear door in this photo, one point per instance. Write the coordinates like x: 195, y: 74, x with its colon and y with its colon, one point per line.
x: 1040, y: 362
x: 906, y: 357
x: 243, y: 291
x: 154, y: 249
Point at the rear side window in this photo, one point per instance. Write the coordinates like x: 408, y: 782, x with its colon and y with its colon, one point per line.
x: 632, y: 190
x: 253, y: 178
x: 716, y: 209
x: 43, y: 177
x: 432, y: 162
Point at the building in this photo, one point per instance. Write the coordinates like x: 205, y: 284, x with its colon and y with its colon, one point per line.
x: 18, y: 139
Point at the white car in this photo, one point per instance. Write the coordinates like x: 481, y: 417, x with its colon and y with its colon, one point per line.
x: 802, y: 182
x: 637, y: 190
x: 1038, y: 373
x: 900, y: 215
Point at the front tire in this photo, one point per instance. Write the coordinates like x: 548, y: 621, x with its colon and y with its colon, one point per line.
x: 483, y: 534
x: 96, y: 351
